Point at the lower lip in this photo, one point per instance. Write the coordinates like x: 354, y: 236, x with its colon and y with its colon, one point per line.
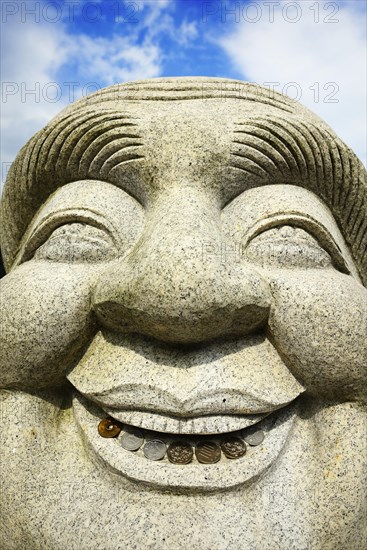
x: 225, y: 474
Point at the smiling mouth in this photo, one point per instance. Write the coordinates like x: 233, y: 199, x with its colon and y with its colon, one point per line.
x: 203, y: 462
x: 205, y: 419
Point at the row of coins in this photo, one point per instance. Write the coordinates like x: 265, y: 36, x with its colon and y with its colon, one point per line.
x: 180, y: 452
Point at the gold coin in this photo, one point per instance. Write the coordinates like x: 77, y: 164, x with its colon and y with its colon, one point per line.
x: 108, y: 427
x: 233, y: 447
x: 180, y: 452
x: 207, y: 452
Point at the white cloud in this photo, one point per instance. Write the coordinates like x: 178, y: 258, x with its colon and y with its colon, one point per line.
x: 188, y: 31
x: 307, y: 52
x: 34, y: 53
x: 30, y: 62
x: 155, y: 10
x: 115, y: 60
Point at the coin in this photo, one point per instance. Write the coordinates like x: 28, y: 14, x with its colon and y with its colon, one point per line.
x: 233, y: 447
x: 132, y: 440
x: 207, y: 452
x: 180, y: 452
x: 155, y: 449
x: 255, y: 438
x: 108, y: 427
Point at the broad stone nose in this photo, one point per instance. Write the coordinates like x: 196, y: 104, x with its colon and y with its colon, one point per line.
x: 170, y: 288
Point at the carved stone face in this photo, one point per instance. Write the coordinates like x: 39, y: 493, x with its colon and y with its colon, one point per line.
x: 187, y: 288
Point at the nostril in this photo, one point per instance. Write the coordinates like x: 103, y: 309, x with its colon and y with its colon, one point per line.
x: 251, y: 317
x: 110, y: 314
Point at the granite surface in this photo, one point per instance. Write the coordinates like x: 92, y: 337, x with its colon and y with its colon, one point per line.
x: 186, y: 258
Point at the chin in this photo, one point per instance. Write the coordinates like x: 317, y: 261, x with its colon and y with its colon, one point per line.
x: 311, y: 452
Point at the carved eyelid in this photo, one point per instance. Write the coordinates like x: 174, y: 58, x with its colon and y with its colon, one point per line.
x: 318, y: 231
x: 57, y: 219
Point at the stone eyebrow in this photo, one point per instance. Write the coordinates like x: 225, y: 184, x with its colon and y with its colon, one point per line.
x: 271, y: 147
x: 87, y: 144
x: 258, y: 150
x: 275, y: 149
x: 293, y: 150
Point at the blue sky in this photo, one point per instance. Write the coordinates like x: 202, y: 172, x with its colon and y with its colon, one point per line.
x: 56, y: 51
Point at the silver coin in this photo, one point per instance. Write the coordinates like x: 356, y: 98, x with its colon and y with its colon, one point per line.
x: 155, y: 449
x: 132, y: 441
x: 255, y: 438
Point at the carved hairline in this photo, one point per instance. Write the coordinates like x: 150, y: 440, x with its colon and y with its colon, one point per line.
x: 185, y: 88
x: 338, y: 176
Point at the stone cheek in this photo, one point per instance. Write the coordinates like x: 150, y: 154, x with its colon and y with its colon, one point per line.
x: 183, y: 351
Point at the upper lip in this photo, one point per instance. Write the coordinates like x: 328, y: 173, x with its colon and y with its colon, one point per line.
x: 211, y: 424
x: 240, y: 376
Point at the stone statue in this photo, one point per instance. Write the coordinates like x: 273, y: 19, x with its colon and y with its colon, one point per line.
x: 183, y: 326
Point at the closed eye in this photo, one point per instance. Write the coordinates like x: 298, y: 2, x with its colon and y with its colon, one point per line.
x: 69, y: 234
x: 293, y: 241
x: 77, y: 243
